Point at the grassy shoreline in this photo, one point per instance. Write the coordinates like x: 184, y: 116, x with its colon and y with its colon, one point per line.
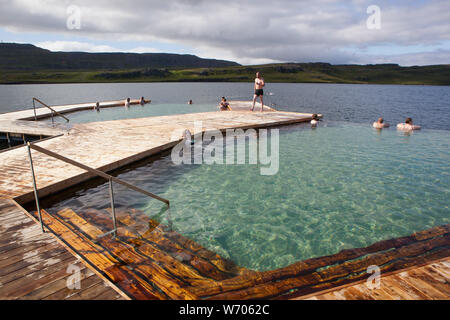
x: 274, y: 73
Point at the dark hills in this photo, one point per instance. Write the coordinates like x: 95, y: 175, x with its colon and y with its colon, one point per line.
x: 15, y: 56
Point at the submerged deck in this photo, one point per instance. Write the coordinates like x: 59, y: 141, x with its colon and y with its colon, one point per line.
x: 149, y: 260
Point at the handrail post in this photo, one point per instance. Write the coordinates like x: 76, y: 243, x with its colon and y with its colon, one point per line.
x: 113, y: 209
x: 34, y: 108
x: 35, y: 187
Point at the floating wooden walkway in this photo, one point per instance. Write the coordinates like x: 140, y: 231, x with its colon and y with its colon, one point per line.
x: 148, y: 260
x: 34, y: 265
x: 42, y: 113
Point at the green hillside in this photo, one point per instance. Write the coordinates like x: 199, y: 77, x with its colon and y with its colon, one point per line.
x: 29, y: 64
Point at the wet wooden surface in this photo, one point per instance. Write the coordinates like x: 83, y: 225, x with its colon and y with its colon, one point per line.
x: 429, y: 282
x: 34, y: 265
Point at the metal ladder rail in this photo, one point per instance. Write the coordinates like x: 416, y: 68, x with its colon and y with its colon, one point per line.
x: 96, y: 172
x: 45, y: 105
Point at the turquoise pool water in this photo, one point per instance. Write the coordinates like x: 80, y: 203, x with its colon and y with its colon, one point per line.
x: 135, y: 111
x: 340, y: 186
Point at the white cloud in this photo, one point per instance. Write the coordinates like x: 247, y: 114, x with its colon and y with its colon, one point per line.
x: 75, y: 46
x: 88, y: 47
x: 246, y: 31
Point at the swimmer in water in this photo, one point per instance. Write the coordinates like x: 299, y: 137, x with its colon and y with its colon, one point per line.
x: 380, y: 124
x: 407, y: 126
x: 315, y: 120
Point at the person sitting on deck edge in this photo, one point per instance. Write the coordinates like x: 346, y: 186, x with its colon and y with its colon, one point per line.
x: 407, y: 126
x: 380, y: 124
x: 224, y: 105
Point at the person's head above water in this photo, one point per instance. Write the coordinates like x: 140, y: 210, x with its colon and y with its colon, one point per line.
x: 315, y: 116
x: 408, y: 121
x: 380, y: 120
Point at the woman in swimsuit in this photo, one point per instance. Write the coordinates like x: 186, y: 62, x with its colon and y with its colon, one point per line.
x: 259, y: 84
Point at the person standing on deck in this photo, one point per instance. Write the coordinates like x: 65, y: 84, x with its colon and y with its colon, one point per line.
x: 259, y: 85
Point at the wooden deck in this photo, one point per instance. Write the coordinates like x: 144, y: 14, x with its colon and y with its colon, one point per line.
x: 34, y: 127
x: 34, y: 265
x: 150, y: 261
x: 429, y: 282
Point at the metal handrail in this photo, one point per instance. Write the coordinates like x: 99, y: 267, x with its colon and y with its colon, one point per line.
x: 99, y: 173
x: 45, y: 105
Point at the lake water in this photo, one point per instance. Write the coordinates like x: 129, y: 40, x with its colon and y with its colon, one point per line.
x: 429, y: 106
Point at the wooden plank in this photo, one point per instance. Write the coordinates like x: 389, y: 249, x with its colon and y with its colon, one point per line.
x: 12, y: 282
x: 374, y: 293
x: 90, y: 293
x: 431, y: 281
x: 20, y: 250
x: 425, y: 288
x: 12, y: 270
x: 30, y: 254
x: 66, y: 293
x: 402, y: 289
x: 59, y: 282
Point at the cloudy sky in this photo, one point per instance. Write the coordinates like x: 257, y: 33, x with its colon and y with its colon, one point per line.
x: 410, y: 32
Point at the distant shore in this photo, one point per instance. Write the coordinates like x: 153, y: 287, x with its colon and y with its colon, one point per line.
x: 275, y: 73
